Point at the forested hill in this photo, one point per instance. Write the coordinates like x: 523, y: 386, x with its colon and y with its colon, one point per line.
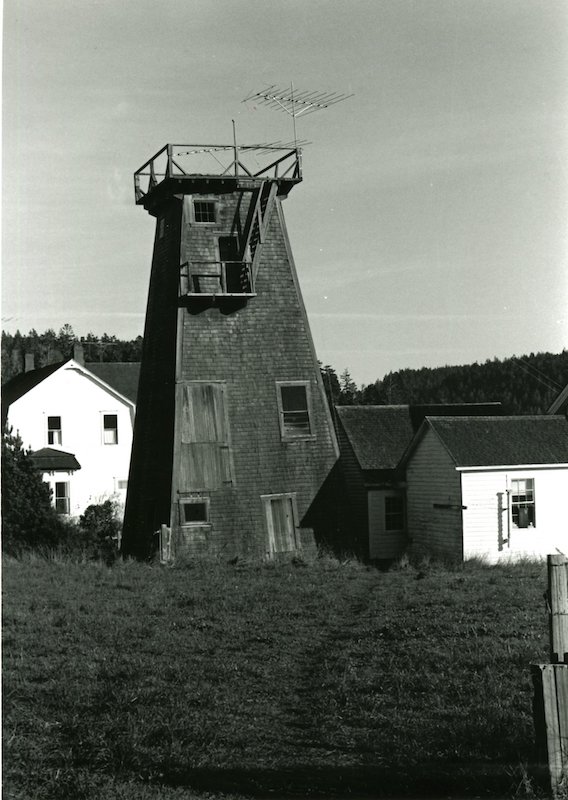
x: 523, y: 384
x: 50, y: 347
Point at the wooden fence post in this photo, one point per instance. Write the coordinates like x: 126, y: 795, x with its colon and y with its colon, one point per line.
x: 551, y: 680
x: 558, y: 600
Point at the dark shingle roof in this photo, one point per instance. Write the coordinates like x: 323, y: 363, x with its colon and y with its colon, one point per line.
x: 21, y: 384
x: 379, y: 435
x: 50, y: 460
x: 500, y: 441
x: 122, y: 376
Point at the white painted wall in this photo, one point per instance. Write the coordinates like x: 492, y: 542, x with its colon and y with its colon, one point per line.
x: 431, y: 479
x: 383, y: 543
x: 80, y: 399
x: 487, y: 522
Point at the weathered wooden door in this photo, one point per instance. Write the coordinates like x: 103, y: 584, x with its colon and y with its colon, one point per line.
x: 205, y: 458
x: 281, y: 523
x: 229, y: 256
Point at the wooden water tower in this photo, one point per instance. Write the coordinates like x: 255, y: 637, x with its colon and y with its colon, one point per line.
x: 233, y: 438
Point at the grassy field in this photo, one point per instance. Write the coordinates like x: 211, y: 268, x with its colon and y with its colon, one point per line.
x: 295, y: 680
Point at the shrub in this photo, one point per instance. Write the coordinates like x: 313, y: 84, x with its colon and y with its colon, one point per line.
x: 100, y: 531
x: 28, y: 517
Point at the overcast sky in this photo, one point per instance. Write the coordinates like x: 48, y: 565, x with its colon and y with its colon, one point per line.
x: 431, y: 226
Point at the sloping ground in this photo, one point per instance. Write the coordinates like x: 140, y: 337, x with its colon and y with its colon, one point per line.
x: 216, y: 681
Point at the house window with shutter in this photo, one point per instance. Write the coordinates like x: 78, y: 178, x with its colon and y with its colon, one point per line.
x: 205, y: 450
x: 281, y: 523
x: 294, y: 409
x: 54, y: 435
x: 523, y: 507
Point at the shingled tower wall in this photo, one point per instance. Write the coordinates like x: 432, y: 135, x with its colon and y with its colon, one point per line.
x: 233, y: 439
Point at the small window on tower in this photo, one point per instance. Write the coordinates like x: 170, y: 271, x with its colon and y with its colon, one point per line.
x: 194, y: 511
x: 54, y: 430
x: 62, y: 503
x: 294, y: 409
x: 204, y: 211
x: 110, y: 429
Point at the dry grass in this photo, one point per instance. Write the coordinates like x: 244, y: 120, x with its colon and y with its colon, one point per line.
x: 282, y: 680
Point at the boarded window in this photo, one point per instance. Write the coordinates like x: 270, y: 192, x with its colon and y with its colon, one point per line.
x: 281, y: 518
x: 54, y: 430
x: 205, y: 449
x: 294, y: 410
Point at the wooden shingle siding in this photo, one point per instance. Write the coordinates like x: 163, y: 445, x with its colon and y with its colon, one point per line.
x: 432, y: 480
x: 354, y: 511
x: 248, y: 350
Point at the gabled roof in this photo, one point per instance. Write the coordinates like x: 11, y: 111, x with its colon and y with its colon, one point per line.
x: 48, y: 459
x: 501, y: 441
x: 120, y: 378
x: 21, y: 384
x: 379, y: 435
x: 121, y: 375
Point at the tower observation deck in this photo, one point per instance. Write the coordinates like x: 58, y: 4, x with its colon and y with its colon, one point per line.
x: 181, y: 169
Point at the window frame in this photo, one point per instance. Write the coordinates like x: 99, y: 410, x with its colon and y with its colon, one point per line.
x: 398, y: 514
x: 212, y: 201
x: 105, y: 414
x: 194, y: 499
x: 516, y: 505
x: 66, y: 498
x: 285, y: 433
x: 51, y: 438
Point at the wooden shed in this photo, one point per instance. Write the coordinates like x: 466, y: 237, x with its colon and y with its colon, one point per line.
x: 372, y: 441
x: 488, y: 487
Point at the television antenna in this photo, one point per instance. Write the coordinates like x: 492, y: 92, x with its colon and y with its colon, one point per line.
x: 296, y: 103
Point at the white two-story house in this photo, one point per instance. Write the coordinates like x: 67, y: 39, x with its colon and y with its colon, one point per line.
x: 78, y: 423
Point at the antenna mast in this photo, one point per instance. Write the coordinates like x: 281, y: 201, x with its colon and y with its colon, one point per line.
x: 296, y: 104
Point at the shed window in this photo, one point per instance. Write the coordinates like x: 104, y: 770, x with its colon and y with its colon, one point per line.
x: 523, y: 512
x: 294, y: 410
x: 62, y: 503
x: 204, y: 211
x: 54, y: 430
x: 110, y: 429
x: 394, y: 513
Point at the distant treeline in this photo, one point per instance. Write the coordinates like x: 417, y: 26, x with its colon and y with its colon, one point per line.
x: 50, y: 347
x: 523, y: 384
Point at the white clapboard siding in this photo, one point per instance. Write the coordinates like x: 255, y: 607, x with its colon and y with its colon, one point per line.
x: 488, y: 531
x: 432, y: 480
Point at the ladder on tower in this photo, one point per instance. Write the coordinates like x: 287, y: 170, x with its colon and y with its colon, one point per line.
x: 262, y: 203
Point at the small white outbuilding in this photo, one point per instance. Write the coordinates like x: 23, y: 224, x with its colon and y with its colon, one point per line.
x: 488, y: 487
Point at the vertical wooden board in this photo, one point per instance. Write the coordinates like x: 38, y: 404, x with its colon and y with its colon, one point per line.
x: 552, y: 725
x: 558, y: 589
x: 561, y: 671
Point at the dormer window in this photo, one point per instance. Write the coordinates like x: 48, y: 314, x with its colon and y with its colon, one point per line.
x: 205, y: 211
x: 54, y: 430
